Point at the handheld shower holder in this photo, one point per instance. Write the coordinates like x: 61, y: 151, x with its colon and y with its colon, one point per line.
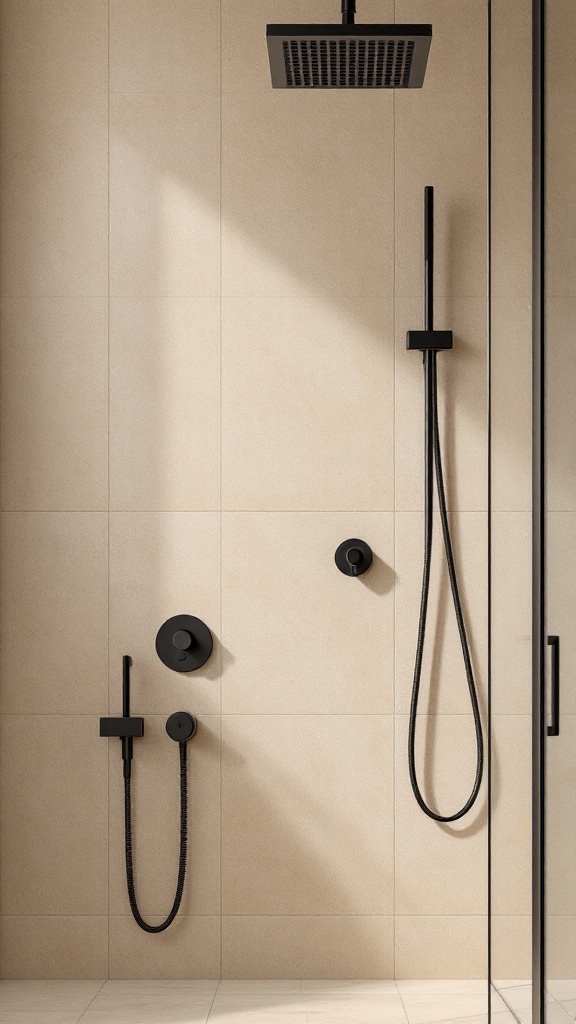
x: 429, y: 341
x: 180, y: 727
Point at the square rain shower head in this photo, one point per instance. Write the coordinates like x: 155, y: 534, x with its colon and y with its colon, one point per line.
x: 348, y: 56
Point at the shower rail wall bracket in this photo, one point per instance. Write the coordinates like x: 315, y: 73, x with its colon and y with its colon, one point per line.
x: 119, y: 728
x: 429, y: 341
x: 127, y: 728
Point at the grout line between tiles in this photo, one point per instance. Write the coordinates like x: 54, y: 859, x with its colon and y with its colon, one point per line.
x: 263, y: 512
x: 86, y: 1008
x: 274, y: 714
x: 213, y: 1000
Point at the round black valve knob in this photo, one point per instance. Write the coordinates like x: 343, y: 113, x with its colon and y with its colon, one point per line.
x: 182, y: 640
x: 353, y: 557
x: 184, y: 643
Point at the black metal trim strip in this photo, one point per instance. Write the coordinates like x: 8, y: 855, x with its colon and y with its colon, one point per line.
x: 538, y: 517
x: 489, y: 502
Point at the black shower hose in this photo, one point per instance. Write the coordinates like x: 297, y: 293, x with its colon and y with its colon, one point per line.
x: 433, y: 460
x: 183, y: 848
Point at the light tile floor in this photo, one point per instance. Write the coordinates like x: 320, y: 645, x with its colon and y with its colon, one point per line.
x: 561, y: 1000
x: 248, y: 1002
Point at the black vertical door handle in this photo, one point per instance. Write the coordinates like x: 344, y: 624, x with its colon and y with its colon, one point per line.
x: 554, y: 727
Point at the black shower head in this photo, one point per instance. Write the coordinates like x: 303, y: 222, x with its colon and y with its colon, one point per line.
x: 348, y: 56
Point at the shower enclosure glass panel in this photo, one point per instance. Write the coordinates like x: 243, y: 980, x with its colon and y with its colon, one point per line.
x: 560, y: 507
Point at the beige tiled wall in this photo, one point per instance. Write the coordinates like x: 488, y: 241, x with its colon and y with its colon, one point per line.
x: 205, y: 291
x: 511, y: 378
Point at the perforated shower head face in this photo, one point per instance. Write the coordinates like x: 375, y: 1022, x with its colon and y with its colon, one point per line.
x: 348, y: 56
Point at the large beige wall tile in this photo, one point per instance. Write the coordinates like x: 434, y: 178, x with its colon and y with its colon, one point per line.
x: 307, y: 824
x: 461, y: 405
x: 156, y: 814
x: 561, y: 818
x: 442, y: 141
x: 307, y: 194
x: 54, y: 815
x: 441, y: 947
x: 444, y: 688
x: 561, y: 24
x: 164, y: 195
x: 54, y: 148
x: 54, y: 402
x: 165, y: 404
x: 54, y: 194
x: 190, y: 948
x: 327, y: 647
x: 53, y: 947
x: 163, y: 564
x: 308, y: 404
x: 561, y: 946
x: 512, y: 613
x: 511, y: 405
x: 164, y: 46
x: 458, y: 54
x: 561, y: 404
x: 511, y: 150
x: 308, y: 947
x: 560, y: 192
x: 245, y: 65
x: 561, y: 587
x: 511, y: 946
x: 439, y: 869
x: 511, y: 815
x: 53, y: 576
x: 53, y: 51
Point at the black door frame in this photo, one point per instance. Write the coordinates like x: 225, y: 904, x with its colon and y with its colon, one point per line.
x: 539, y: 715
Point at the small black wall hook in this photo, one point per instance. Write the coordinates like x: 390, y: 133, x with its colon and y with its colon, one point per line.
x: 353, y: 557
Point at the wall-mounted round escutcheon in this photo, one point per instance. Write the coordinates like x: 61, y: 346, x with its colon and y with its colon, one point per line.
x: 353, y: 557
x: 181, y: 726
x: 184, y: 643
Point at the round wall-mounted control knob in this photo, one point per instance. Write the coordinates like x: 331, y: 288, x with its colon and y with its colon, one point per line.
x: 353, y: 557
x: 181, y: 726
x: 182, y: 640
x: 184, y: 643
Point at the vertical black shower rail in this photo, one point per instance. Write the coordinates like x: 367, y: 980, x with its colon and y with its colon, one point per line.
x: 539, y: 717
x: 429, y: 357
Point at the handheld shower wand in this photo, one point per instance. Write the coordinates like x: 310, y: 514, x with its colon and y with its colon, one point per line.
x: 430, y: 342
x: 180, y: 727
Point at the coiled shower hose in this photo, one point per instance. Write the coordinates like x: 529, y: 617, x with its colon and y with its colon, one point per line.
x: 183, y: 848
x: 433, y: 461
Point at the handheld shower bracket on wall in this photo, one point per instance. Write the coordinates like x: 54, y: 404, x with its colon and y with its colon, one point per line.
x: 180, y: 727
x: 430, y: 343
x: 128, y: 727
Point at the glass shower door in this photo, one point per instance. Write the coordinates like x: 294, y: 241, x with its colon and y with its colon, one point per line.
x: 559, y: 311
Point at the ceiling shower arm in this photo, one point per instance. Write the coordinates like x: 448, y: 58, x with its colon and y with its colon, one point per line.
x: 348, y: 12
